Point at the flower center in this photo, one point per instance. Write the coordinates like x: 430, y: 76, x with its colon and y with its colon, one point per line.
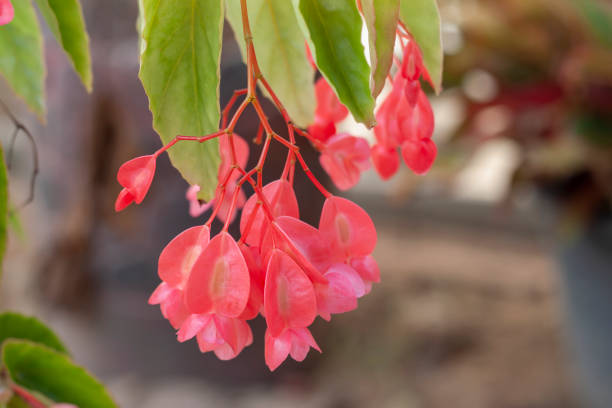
x: 343, y: 229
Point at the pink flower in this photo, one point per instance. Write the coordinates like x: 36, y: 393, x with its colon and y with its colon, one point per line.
x: 294, y: 342
x: 196, y: 208
x: 303, y: 243
x: 419, y: 154
x: 282, y: 200
x: 406, y: 120
x: 174, y: 268
x: 257, y: 272
x: 178, y: 258
x: 290, y: 306
x: 135, y: 176
x: 329, y: 111
x: 172, y: 304
x: 386, y: 161
x: 367, y: 268
x: 347, y: 228
x: 344, y: 157
x: 219, y: 282
x: 412, y: 62
x: 340, y: 293
x: 216, y: 295
x: 224, y: 336
x: 7, y: 12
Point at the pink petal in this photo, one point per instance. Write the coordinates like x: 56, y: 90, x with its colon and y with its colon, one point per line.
x: 7, y: 12
x: 257, y: 274
x: 367, y: 268
x: 160, y: 294
x: 341, y: 293
x: 301, y: 342
x: 173, y: 308
x: 219, y: 281
x: 282, y: 200
x: 192, y: 326
x: 124, y: 199
x: 203, y: 338
x: 328, y: 104
x: 322, y: 129
x: 386, y: 161
x: 418, y: 122
x: 412, y: 63
x: 419, y: 155
x: 304, y: 244
x: 195, y: 208
x: 344, y: 158
x: 136, y: 175
x: 277, y: 349
x: 236, y: 334
x: 347, y: 227
x: 387, y: 131
x: 178, y: 257
x: 289, y: 298
x: 412, y: 90
x: 226, y: 327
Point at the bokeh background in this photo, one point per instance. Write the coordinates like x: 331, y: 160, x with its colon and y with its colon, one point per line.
x: 496, y: 267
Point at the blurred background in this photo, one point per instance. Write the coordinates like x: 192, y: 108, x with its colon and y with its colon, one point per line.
x: 496, y: 267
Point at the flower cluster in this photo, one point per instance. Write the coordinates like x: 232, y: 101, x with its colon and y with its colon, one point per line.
x: 405, y: 121
x: 7, y: 12
x: 281, y: 268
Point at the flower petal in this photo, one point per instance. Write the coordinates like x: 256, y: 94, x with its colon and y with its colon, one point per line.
x: 192, y: 326
x: 277, y: 349
x: 282, y: 200
x: 304, y: 244
x: 180, y: 255
x: 124, y: 199
x: 386, y: 161
x: 219, y: 281
x: 136, y: 175
x: 419, y: 155
x: 347, y: 227
x: 289, y: 298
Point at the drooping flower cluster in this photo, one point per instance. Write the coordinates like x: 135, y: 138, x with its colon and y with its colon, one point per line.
x: 281, y: 268
x: 7, y: 12
x: 405, y: 121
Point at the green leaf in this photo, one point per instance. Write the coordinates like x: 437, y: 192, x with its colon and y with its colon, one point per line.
x: 4, y: 213
x: 333, y: 30
x: 381, y: 18
x: 21, y: 56
x: 53, y: 375
x: 179, y: 70
x: 422, y: 19
x: 17, y: 326
x: 65, y: 19
x: 281, y: 53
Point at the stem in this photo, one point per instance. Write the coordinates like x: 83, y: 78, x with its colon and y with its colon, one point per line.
x: 227, y: 128
x: 229, y: 105
x: 249, y: 223
x: 21, y: 127
x: 187, y: 138
x: 27, y: 397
